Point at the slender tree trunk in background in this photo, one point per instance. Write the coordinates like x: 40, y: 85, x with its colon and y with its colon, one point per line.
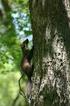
x: 6, y: 19
x: 51, y: 38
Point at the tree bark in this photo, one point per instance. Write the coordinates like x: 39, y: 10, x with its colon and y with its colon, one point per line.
x: 51, y: 38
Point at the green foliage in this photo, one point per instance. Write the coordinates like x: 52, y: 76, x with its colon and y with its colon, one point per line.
x: 9, y: 88
x: 14, y: 27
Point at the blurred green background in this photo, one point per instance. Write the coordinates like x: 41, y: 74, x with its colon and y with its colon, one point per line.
x: 15, y: 27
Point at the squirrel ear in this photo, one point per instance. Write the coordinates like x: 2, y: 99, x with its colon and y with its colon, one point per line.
x: 26, y: 41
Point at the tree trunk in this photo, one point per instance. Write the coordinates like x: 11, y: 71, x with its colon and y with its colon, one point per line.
x: 51, y: 38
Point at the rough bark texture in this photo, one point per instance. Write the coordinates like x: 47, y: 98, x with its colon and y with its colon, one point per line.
x: 51, y: 35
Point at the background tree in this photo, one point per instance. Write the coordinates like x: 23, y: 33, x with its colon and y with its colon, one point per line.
x: 51, y: 38
x: 14, y: 28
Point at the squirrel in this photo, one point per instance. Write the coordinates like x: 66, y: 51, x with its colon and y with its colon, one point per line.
x: 26, y: 66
